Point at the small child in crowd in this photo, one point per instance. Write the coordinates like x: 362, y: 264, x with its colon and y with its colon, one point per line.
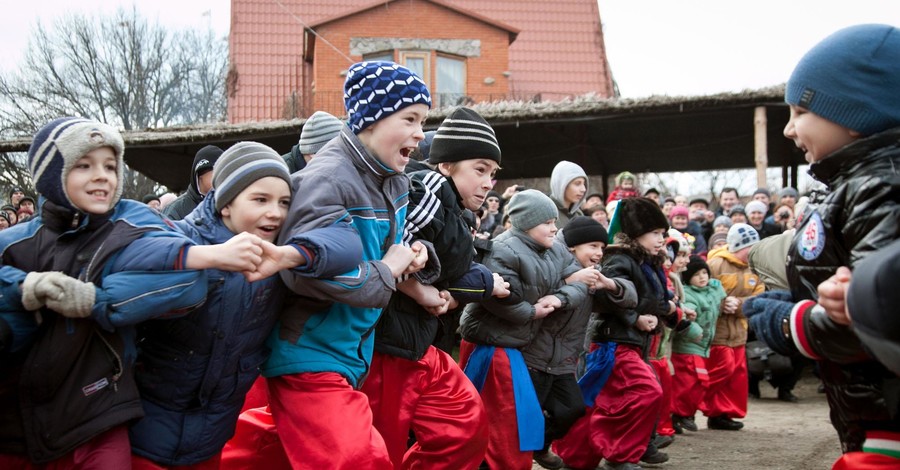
x: 535, y: 265
x: 626, y: 186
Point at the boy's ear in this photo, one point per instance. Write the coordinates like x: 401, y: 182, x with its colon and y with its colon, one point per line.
x: 226, y: 211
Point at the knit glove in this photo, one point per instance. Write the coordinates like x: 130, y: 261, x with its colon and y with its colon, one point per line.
x: 39, y: 286
x: 75, y: 299
x: 769, y: 314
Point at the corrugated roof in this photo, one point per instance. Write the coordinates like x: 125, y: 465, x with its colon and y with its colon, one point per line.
x: 559, y: 51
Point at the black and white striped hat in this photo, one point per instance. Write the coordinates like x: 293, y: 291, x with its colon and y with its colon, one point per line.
x: 464, y: 135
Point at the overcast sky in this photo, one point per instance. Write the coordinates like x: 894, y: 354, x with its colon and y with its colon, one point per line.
x: 684, y: 47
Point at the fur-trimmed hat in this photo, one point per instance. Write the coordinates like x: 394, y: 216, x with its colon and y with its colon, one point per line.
x: 464, y: 135
x: 695, y: 263
x: 375, y: 90
x: 582, y: 229
x: 635, y: 216
x: 317, y: 131
x: 59, y: 144
x: 530, y: 208
x: 241, y: 165
x: 741, y: 236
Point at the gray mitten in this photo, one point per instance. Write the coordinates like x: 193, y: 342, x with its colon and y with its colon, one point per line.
x: 38, y: 287
x: 75, y: 299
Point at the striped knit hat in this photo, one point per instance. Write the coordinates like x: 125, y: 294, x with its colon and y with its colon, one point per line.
x: 375, y: 90
x: 464, y: 135
x: 317, y: 131
x: 241, y: 165
x: 59, y: 144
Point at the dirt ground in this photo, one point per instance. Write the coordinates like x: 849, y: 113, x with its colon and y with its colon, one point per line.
x: 776, y: 436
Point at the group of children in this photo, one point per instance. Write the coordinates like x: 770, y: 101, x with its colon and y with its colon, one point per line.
x: 131, y: 341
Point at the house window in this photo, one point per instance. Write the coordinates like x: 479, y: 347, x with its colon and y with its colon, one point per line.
x: 419, y: 62
x: 382, y: 56
x: 450, y: 85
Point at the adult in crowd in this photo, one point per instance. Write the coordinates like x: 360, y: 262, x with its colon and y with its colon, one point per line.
x: 728, y: 198
x: 317, y: 131
x: 756, y: 215
x: 201, y: 183
x: 151, y: 200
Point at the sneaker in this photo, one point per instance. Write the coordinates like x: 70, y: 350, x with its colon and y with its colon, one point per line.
x: 620, y: 466
x: 548, y: 460
x: 786, y: 395
x: 661, y: 441
x: 684, y: 422
x: 724, y: 423
x: 654, y: 457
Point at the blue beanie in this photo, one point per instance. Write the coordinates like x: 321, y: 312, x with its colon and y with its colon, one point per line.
x: 851, y: 78
x: 375, y: 90
x: 62, y: 142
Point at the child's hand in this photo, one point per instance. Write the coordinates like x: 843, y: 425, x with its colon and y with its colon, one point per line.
x: 730, y: 306
x: 421, y: 257
x: 542, y: 310
x: 646, y: 323
x: 398, y: 258
x: 432, y: 300
x: 242, y: 252
x: 589, y: 276
x: 689, y: 314
x: 550, y: 301
x: 273, y: 259
x: 833, y: 296
x: 501, y: 287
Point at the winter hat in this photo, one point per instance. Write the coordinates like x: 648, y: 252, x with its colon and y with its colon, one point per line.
x: 241, y: 165
x: 741, y: 236
x: 625, y: 175
x: 651, y: 190
x: 851, y: 78
x: 716, y: 238
x: 317, y: 131
x: 737, y: 209
x: 530, y: 208
x: 679, y: 210
x: 59, y: 144
x: 583, y: 229
x: 150, y: 197
x: 204, y: 160
x: 788, y: 192
x: 695, y: 263
x: 464, y: 135
x: 5, y: 216
x: 756, y: 206
x: 15, y: 189
x: 675, y: 235
x: 27, y: 198
x: 375, y: 90
x: 762, y: 191
x: 635, y: 216
x: 722, y: 220
x: 700, y: 200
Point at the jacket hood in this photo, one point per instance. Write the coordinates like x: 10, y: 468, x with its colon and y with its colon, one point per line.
x: 563, y: 174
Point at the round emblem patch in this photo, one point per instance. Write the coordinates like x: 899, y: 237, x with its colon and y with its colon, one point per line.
x: 812, y: 240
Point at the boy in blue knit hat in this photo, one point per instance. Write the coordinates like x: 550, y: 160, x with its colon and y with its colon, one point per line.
x: 845, y: 117
x: 323, y: 342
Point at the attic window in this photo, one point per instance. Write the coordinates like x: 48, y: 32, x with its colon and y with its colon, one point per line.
x: 383, y: 56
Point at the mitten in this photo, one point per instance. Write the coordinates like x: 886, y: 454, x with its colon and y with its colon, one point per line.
x: 769, y: 315
x: 38, y: 286
x: 75, y: 299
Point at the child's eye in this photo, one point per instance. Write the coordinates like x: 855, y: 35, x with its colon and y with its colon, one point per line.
x: 111, y: 168
x: 285, y: 202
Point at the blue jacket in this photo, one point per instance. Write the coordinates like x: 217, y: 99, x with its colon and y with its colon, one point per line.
x: 328, y: 327
x: 194, y: 371
x: 85, y: 366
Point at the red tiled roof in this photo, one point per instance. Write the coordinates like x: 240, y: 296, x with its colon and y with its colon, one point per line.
x: 559, y: 51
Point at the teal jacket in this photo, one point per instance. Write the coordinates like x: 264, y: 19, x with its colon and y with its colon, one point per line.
x: 707, y: 302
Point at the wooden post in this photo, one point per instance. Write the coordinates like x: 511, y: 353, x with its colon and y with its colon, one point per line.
x: 761, y: 154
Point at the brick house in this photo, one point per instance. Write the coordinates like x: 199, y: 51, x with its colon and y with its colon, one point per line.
x: 288, y: 57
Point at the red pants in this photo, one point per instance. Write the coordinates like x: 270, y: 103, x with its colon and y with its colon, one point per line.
x: 619, y: 425
x: 727, y: 393
x: 257, y: 396
x: 255, y: 443
x: 142, y: 463
x: 497, y: 395
x: 112, y: 449
x: 866, y: 461
x: 664, y: 424
x: 690, y: 383
x: 434, y: 398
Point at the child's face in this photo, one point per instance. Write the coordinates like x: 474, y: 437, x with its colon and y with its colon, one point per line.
x: 259, y: 209
x: 13, y: 217
x: 700, y: 278
x: 28, y: 205
x: 493, y: 204
x: 588, y: 254
x: 681, y: 201
x: 720, y: 243
x: 816, y: 136
x: 473, y: 179
x: 544, y: 233
x: 627, y: 183
x: 92, y: 182
x: 681, y: 261
x: 721, y: 228
x: 652, y: 242
x: 16, y: 197
x: 575, y: 190
x: 593, y: 201
x: 680, y: 222
x: 738, y: 218
x: 393, y: 138
x: 3, y: 223
x: 600, y: 216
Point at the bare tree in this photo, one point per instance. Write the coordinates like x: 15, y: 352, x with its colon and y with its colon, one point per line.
x: 119, y: 69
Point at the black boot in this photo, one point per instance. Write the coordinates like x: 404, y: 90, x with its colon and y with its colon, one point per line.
x: 786, y: 395
x: 724, y: 423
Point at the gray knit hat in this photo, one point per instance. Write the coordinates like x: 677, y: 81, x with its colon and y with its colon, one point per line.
x: 241, y: 165
x: 741, y: 236
x: 317, y: 131
x: 723, y: 220
x: 756, y: 206
x: 530, y: 208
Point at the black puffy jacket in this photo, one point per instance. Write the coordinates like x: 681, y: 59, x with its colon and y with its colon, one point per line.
x: 859, y: 214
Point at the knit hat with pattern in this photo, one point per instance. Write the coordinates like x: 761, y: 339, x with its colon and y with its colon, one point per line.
x: 741, y: 236
x: 59, y: 144
x: 375, y: 90
x: 464, y: 135
x: 317, y: 131
x: 241, y: 165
